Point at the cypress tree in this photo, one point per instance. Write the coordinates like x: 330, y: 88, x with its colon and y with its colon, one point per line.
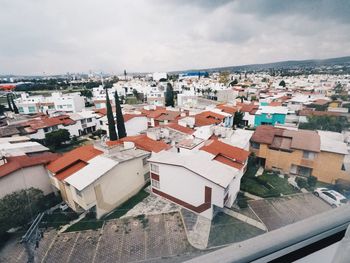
x: 15, y: 109
x: 169, y: 95
x: 9, y: 101
x: 119, y: 117
x: 111, y: 124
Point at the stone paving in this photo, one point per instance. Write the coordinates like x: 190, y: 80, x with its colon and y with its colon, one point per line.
x: 152, y: 205
x: 143, y: 238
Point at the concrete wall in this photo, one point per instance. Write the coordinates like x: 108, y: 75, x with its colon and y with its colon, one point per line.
x: 135, y: 125
x: 34, y: 176
x: 188, y: 187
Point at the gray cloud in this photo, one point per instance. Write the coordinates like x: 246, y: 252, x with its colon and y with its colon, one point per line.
x: 150, y: 35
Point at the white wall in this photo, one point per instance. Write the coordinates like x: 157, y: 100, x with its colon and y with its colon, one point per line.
x: 188, y: 187
x: 35, y: 176
x: 135, y: 125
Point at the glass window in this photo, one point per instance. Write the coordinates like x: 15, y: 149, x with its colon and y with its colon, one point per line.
x: 144, y: 161
x: 31, y: 108
x: 154, y: 168
x: 20, y: 109
x: 78, y: 192
x: 308, y: 155
x: 155, y: 184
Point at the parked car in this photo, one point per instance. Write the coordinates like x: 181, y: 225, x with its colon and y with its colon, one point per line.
x: 332, y: 197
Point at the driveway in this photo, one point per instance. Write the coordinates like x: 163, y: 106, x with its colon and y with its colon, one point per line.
x: 278, y: 212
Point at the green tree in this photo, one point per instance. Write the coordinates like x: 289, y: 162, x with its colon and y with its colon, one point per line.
x: 86, y: 93
x: 19, y: 208
x: 234, y: 82
x: 119, y: 117
x: 111, y: 124
x: 2, y: 109
x: 224, y: 77
x: 325, y: 123
x: 55, y: 139
x: 9, y: 104
x: 169, y: 95
x: 237, y: 119
x: 15, y: 109
x: 282, y: 83
x: 338, y: 88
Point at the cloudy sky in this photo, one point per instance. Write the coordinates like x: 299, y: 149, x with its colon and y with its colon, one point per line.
x: 58, y: 36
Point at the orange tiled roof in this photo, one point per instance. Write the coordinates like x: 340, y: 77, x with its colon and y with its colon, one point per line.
x: 142, y: 142
x: 154, y: 113
x: 128, y: 116
x: 275, y: 103
x: 44, y: 122
x: 227, y: 154
x: 179, y: 128
x: 227, y: 109
x: 17, y: 162
x: 83, y: 153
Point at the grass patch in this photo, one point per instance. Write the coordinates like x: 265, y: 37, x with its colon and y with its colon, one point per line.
x: 126, y: 206
x: 226, y: 229
x: 86, y: 224
x: 59, y: 218
x: 279, y: 184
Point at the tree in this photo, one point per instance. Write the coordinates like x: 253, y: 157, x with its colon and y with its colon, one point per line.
x: 8, y: 97
x: 326, y: 123
x: 169, y: 95
x: 19, y: 208
x: 55, y: 139
x: 282, y: 83
x: 2, y: 109
x: 253, y: 98
x: 338, y: 88
x: 234, y: 82
x: 119, y: 117
x: 237, y: 119
x: 15, y: 109
x: 86, y: 93
x: 224, y: 77
x: 242, y: 98
x: 111, y: 124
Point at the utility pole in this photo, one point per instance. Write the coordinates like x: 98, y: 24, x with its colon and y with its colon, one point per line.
x: 32, y: 237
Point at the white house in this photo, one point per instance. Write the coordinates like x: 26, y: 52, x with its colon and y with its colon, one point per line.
x: 71, y: 102
x: 202, y: 180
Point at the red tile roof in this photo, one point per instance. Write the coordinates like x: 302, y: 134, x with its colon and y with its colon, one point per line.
x: 168, y: 115
x: 15, y: 163
x: 142, y: 142
x: 227, y: 109
x: 154, y: 113
x: 44, y: 122
x: 318, y: 113
x: 265, y: 134
x: 207, y: 118
x: 227, y: 154
x: 251, y: 108
x: 70, y: 159
x: 179, y: 128
x: 275, y: 103
x: 128, y: 116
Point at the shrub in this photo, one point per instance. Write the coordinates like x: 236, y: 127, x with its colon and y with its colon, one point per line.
x: 301, y: 182
x: 242, y: 202
x: 311, y: 181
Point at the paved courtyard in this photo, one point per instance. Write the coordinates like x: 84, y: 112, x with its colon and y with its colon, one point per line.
x: 144, y: 238
x: 278, y: 212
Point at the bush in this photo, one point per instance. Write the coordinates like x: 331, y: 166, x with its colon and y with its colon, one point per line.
x: 311, y: 181
x: 242, y: 203
x: 301, y: 182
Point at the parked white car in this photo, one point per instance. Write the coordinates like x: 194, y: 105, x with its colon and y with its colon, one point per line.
x: 332, y: 197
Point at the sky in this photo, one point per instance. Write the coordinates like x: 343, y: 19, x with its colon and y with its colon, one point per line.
x: 62, y: 36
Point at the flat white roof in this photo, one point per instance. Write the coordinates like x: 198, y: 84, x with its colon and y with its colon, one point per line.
x: 199, y: 162
x: 240, y: 138
x: 96, y: 167
x: 332, y: 142
x: 21, y: 148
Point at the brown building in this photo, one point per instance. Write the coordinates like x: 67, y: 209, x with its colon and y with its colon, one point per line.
x: 301, y: 152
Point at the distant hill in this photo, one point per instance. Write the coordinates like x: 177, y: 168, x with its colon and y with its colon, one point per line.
x: 289, y: 64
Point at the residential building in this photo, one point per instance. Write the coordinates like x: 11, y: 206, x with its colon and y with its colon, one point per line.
x: 201, y: 180
x: 301, y: 153
x: 270, y: 115
x: 100, y: 177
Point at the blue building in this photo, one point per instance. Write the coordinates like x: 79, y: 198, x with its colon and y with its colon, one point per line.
x: 270, y: 115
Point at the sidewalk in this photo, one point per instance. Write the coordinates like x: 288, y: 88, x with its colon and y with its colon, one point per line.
x: 65, y: 227
x: 245, y: 219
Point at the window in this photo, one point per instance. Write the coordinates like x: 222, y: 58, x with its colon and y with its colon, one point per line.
x: 144, y: 160
x: 155, y: 184
x: 101, y: 122
x: 20, y: 109
x: 255, y: 145
x: 31, y: 109
x: 154, y: 168
x: 89, y: 120
x: 329, y: 195
x: 46, y: 129
x: 54, y: 128
x: 308, y: 155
